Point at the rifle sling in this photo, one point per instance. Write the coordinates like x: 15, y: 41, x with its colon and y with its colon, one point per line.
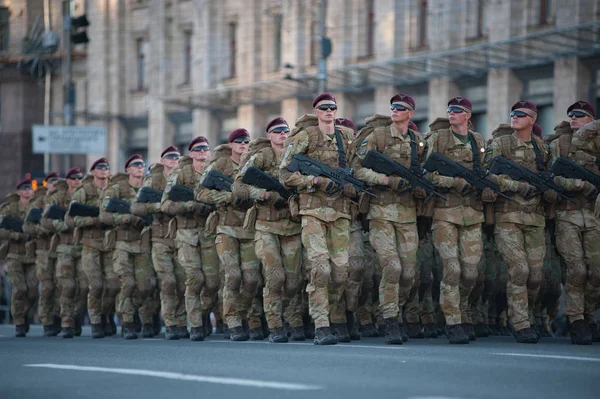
x: 340, y: 146
x: 475, y: 150
x: 414, y: 156
x: 538, y: 156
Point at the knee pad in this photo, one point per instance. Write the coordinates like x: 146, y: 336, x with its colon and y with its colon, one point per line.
x: 519, y: 274
x: 274, y: 278
x: 469, y: 275
x: 127, y: 286
x: 392, y: 270
x: 451, y: 275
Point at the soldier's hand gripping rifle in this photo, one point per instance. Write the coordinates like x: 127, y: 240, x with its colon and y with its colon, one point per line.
x: 258, y: 178
x: 117, y: 205
x: 566, y: 168
x: 342, y: 177
x: 380, y: 163
x: 542, y: 181
x: 215, y: 180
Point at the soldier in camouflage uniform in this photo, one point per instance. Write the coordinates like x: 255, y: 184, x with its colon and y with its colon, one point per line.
x: 21, y: 269
x: 69, y: 269
x: 325, y: 211
x: 96, y: 257
x: 392, y: 214
x: 196, y: 251
x: 235, y: 245
x: 277, y: 239
x: 519, y: 231
x: 577, y: 228
x: 457, y: 220
x: 171, y: 276
x: 131, y: 258
x: 45, y: 261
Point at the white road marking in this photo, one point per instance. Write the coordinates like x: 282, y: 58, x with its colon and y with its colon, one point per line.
x: 184, y: 377
x: 558, y: 357
x: 307, y: 344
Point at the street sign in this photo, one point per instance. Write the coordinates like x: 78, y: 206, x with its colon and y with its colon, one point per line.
x: 69, y: 139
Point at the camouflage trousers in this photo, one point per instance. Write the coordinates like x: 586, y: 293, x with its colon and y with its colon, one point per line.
x: 396, y: 247
x: 371, y: 279
x: 104, y: 282
x: 241, y: 270
x: 327, y: 246
x: 138, y: 283
x: 22, y: 277
x: 356, y: 269
x: 580, y: 247
x: 460, y: 249
x: 283, y: 277
x: 171, y: 280
x: 496, y: 278
x: 523, y: 249
x: 474, y: 312
x: 420, y: 307
x: 548, y: 299
x: 74, y: 285
x: 45, y: 267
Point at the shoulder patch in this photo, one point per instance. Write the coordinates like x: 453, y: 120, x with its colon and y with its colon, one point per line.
x: 289, y: 150
x: 362, y: 150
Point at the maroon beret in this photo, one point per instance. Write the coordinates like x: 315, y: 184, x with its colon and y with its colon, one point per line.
x: 462, y: 102
x: 51, y: 175
x: 525, y: 104
x: 583, y: 106
x: 23, y: 183
x: 275, y: 122
x: 237, y: 133
x: 197, y: 140
x: 537, y: 130
x: 97, y: 162
x: 413, y: 126
x: 405, y: 99
x: 345, y: 122
x: 73, y: 171
x: 132, y: 158
x: 321, y: 97
x: 168, y: 150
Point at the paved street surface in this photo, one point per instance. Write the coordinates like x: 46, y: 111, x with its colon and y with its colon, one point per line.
x: 497, y: 367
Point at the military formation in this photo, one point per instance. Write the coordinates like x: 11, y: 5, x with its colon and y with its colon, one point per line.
x: 322, y: 232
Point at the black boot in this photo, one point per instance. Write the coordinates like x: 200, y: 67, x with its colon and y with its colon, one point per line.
x: 148, y: 330
x: 207, y: 324
x: 50, y: 331
x: 226, y: 332
x: 219, y: 327
x: 526, y: 336
x: 197, y: 334
x: 137, y: 322
x: 580, y: 333
x: 256, y: 334
x: 430, y: 330
x: 392, y: 332
x: 456, y: 335
x: 57, y: 324
x: 414, y: 330
x: 278, y: 336
x: 369, y: 331
x: 264, y: 327
x: 156, y: 325
x: 381, y: 330
x: 309, y: 330
x: 323, y: 336
x: 77, y: 328
x: 107, y: 327
x: 297, y: 334
x: 340, y: 330
x: 97, y: 331
x: 129, y: 331
x: 403, y: 332
x: 352, y: 326
x: 171, y: 333
x: 67, y: 332
x: 468, y: 329
x: 183, y: 332
x: 238, y: 334
x: 20, y: 331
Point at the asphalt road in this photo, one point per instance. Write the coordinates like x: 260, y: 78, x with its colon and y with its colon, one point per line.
x: 496, y: 367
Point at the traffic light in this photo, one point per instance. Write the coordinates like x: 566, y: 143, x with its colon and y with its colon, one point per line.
x: 78, y: 31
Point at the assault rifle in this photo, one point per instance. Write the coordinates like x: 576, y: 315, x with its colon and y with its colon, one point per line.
x: 56, y: 212
x: 117, y: 205
x: 217, y: 181
x: 12, y: 224
x: 84, y: 210
x: 179, y: 193
x: 149, y: 195
x: 566, y: 168
x: 256, y: 177
x: 342, y: 177
x: 542, y: 181
x: 477, y: 178
x: 382, y: 164
x: 34, y: 216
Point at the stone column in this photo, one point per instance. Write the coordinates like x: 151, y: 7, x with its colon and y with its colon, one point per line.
x: 504, y: 89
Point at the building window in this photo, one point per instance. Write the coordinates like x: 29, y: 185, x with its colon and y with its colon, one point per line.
x: 232, y: 49
x: 278, y: 28
x: 314, y: 41
x: 370, y: 28
x: 476, y: 21
x: 422, y: 32
x: 4, y: 38
x: 141, y: 48
x: 546, y: 12
x: 187, y: 57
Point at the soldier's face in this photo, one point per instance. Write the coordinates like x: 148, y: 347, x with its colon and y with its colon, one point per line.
x: 400, y: 112
x: 277, y: 134
x: 101, y: 172
x: 170, y: 159
x: 239, y: 148
x: 136, y: 169
x: 326, y: 111
x: 578, y: 119
x: 458, y: 117
x: 74, y: 184
x: 25, y: 193
x: 200, y: 152
x: 518, y: 121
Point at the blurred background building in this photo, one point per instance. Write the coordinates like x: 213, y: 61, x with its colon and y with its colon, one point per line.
x: 157, y: 72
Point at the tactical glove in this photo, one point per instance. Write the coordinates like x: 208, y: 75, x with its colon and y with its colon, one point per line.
x: 419, y: 193
x: 526, y: 190
x: 461, y: 185
x: 397, y: 183
x: 349, y: 191
x: 488, y: 195
x: 550, y: 196
x: 589, y: 191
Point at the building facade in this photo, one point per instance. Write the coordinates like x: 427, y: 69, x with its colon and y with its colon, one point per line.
x: 158, y: 72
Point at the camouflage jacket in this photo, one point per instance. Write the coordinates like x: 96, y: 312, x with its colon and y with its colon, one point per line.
x: 40, y: 234
x: 16, y: 241
x: 156, y: 180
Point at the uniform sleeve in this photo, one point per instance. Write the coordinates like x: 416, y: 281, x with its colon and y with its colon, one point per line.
x: 253, y: 192
x: 434, y: 177
x: 170, y: 207
x: 210, y: 196
x: 106, y: 217
x: 362, y: 173
x: 504, y: 182
x: 142, y: 208
x: 562, y: 182
x: 298, y: 144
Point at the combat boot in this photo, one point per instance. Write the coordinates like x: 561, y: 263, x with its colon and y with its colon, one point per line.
x: 580, y: 333
x: 107, y: 326
x: 137, y: 323
x: 219, y: 327
x: 197, y: 334
x: 352, y: 326
x: 26, y: 325
x: 207, y: 324
x: 238, y: 334
x: 156, y: 326
x: 97, y: 331
x: 67, y: 332
x: 77, y: 328
x: 129, y: 331
x: 430, y: 330
x: 298, y: 334
x: 403, y: 332
x: 50, y: 331
x: 183, y: 332
x: 278, y: 336
x: 340, y: 330
x: 113, y: 325
x: 171, y: 333
x: 469, y: 331
x: 414, y: 330
x: 57, y: 324
x: 480, y: 330
x: 264, y: 326
x: 381, y: 330
x: 309, y: 329
x: 20, y: 331
x: 323, y: 336
x: 256, y: 334
x: 226, y: 332
x: 148, y: 331
x: 595, y: 333
x: 456, y: 335
x: 392, y: 332
x: 368, y: 331
x: 526, y: 336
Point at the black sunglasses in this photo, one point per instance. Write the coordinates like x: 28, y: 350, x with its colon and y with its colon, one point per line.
x: 520, y: 114
x: 282, y: 129
x: 26, y: 187
x: 52, y: 181
x: 577, y: 114
x: 456, y: 110
x: 398, y: 107
x: 138, y: 164
x: 240, y: 140
x: 75, y: 177
x: 201, y: 148
x: 102, y: 166
x: 327, y: 107
x: 172, y: 156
